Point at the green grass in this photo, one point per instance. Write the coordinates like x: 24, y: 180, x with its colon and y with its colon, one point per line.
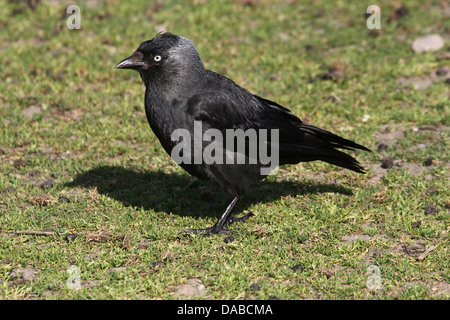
x: 128, y: 200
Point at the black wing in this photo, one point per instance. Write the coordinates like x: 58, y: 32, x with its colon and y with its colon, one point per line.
x: 231, y: 107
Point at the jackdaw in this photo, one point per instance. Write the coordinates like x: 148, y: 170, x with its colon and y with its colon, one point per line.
x: 181, y: 94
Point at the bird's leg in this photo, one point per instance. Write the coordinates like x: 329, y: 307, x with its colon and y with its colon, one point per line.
x: 218, y: 227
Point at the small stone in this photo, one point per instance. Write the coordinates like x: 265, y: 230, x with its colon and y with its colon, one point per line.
x: 441, y: 71
x: 387, y: 163
x: 429, y: 162
x: 431, y: 42
x: 334, y: 75
x: 416, y: 224
x: 229, y: 239
x: 431, y: 209
x: 401, y: 12
x: 63, y: 199
x: 255, y: 287
x: 70, y: 237
x: 192, y: 289
x: 297, y: 267
x: 284, y: 37
x: 382, y: 147
x: 431, y: 190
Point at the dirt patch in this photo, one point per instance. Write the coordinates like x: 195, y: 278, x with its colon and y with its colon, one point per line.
x: 42, y: 200
x: 31, y: 111
x: 417, y: 249
x: 192, y: 289
x: 100, y: 236
x: 378, y: 170
x: 362, y: 237
x: 440, y: 289
x: 437, y: 289
x: 423, y: 82
x: 21, y: 275
x: 355, y: 237
x: 390, y: 134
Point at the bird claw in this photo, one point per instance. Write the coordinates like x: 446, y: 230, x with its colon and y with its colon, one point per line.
x: 233, y: 219
x: 206, y: 232
x: 217, y: 229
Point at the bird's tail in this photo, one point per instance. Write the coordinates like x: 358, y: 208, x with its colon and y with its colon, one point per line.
x: 320, y: 144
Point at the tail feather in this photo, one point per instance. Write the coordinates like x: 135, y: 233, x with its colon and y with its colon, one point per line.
x: 319, y: 144
x: 332, y: 139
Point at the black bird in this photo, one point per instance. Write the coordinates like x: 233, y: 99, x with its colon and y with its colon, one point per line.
x: 180, y: 91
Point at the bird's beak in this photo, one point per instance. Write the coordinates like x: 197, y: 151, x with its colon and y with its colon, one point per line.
x: 132, y: 62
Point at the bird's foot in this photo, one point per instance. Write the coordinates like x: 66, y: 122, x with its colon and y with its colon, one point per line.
x: 219, y: 228
x: 206, y: 232
x: 233, y: 219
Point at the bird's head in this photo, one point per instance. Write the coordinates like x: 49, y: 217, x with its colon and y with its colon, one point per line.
x: 165, y: 56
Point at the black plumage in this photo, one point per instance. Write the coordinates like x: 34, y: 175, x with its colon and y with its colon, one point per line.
x: 180, y: 91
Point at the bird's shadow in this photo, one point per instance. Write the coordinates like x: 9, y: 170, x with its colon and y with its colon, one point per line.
x: 183, y: 195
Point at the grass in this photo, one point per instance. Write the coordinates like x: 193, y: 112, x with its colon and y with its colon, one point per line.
x: 87, y: 163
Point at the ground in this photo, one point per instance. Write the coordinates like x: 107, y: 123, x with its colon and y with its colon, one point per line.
x: 85, y: 183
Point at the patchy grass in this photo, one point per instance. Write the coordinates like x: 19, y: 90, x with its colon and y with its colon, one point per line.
x: 85, y: 182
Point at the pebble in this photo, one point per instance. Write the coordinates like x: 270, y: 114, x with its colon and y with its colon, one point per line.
x: 431, y: 209
x: 387, y: 163
x: 429, y: 162
x: 431, y: 190
x: 63, y: 199
x: 431, y: 42
x: 297, y: 267
x: 416, y: 224
x: 229, y: 239
x: 255, y: 287
x: 192, y: 289
x: 441, y: 71
x: 70, y: 237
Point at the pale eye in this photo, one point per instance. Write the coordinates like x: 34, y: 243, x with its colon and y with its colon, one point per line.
x: 157, y: 58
